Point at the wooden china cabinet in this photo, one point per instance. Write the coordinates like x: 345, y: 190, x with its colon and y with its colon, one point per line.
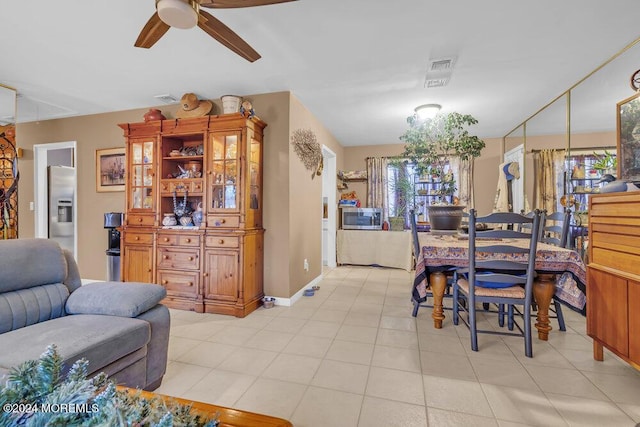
x: 211, y: 164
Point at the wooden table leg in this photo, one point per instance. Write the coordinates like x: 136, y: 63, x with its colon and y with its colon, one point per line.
x: 543, y: 289
x: 598, y: 353
x: 438, y: 283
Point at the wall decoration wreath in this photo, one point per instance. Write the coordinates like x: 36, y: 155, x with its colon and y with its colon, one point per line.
x: 306, y: 146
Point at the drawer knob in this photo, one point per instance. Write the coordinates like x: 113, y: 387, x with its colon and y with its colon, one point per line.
x: 222, y: 221
x: 190, y: 283
x: 164, y: 282
x: 188, y: 240
x: 166, y: 239
x: 139, y: 219
x: 136, y: 238
x: 221, y: 241
x: 165, y: 257
x: 205, y: 275
x: 190, y: 258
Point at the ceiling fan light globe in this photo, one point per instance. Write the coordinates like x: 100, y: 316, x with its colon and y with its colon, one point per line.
x: 177, y: 13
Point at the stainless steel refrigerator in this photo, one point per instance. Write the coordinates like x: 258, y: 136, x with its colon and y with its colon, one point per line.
x: 61, y: 201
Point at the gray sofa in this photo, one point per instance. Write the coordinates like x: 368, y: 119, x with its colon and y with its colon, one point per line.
x: 120, y: 328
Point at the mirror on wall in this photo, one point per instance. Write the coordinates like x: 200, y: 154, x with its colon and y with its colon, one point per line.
x: 592, y: 113
x: 8, y: 164
x: 514, y: 139
x: 547, y: 130
x: 593, y: 101
x: 514, y: 151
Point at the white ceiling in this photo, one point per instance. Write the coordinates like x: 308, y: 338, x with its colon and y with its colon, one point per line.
x: 358, y: 65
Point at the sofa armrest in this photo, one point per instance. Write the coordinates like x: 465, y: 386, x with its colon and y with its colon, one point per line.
x: 115, y: 298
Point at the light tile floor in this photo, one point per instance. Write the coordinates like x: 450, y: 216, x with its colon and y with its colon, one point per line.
x: 352, y: 355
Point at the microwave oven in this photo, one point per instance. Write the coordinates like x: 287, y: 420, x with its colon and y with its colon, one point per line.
x: 361, y: 218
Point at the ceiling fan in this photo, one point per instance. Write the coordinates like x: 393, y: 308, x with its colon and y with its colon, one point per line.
x: 187, y: 13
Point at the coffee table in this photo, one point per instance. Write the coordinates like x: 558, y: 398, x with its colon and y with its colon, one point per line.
x: 228, y: 417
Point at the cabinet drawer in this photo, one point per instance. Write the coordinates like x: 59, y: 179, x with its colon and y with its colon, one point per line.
x: 222, y: 241
x: 192, y: 186
x: 178, y: 240
x: 137, y: 219
x: 180, y: 283
x: 179, y: 258
x: 138, y: 238
x: 223, y: 221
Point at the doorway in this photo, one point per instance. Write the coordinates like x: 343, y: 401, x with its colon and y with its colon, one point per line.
x: 54, y: 154
x: 330, y: 208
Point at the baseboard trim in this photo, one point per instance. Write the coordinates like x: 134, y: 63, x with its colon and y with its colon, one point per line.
x: 288, y: 302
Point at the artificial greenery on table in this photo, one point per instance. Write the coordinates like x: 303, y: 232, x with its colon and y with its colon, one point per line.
x: 39, y: 394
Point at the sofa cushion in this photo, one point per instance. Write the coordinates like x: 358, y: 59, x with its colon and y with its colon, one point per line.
x: 26, y: 263
x: 25, y: 307
x: 100, y: 339
x: 115, y: 298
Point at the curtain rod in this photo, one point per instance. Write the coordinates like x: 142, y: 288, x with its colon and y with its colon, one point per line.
x: 576, y: 149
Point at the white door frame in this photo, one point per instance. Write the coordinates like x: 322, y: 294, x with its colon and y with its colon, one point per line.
x: 330, y: 169
x: 516, y: 155
x: 40, y: 191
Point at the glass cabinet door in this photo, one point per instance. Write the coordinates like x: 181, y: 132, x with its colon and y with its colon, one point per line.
x: 141, y: 175
x: 254, y: 174
x: 225, y: 182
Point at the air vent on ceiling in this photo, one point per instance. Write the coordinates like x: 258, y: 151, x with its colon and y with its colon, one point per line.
x: 429, y: 83
x: 438, y: 65
x: 166, y: 99
x: 439, y: 72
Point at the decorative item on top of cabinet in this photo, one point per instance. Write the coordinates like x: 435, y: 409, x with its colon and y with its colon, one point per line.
x: 211, y: 258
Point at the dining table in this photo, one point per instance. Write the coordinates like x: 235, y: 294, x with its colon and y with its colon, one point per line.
x: 560, y: 272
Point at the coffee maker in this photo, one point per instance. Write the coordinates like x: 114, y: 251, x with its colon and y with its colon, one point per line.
x: 112, y: 220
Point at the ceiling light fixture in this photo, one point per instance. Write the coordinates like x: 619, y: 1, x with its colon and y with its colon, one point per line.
x: 427, y: 111
x: 178, y: 13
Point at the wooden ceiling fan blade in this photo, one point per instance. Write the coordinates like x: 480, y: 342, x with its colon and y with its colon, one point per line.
x: 152, y: 31
x: 229, y: 4
x: 225, y: 35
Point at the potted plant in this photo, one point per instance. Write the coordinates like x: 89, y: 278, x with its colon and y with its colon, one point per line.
x: 431, y: 144
x: 403, y: 190
x: 606, y: 163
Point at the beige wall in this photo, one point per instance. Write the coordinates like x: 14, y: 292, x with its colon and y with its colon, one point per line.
x: 305, y: 213
x: 287, y: 219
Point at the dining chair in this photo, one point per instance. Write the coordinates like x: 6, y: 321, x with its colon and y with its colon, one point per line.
x: 527, y: 227
x: 502, y: 280
x: 416, y: 253
x: 557, y: 234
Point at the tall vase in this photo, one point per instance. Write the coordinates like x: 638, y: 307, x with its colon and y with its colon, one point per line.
x: 197, y: 215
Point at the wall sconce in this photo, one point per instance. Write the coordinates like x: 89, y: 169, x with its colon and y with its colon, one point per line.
x: 427, y: 111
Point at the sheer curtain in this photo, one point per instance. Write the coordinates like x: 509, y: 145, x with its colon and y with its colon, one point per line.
x: 463, y: 172
x: 377, y: 184
x: 549, y: 170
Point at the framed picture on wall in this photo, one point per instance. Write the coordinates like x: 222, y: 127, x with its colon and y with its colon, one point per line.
x: 629, y: 138
x: 110, y: 168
